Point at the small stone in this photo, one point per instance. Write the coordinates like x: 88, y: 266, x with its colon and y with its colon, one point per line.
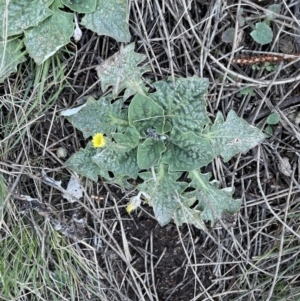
x: 294, y: 117
x: 284, y: 167
x: 286, y: 45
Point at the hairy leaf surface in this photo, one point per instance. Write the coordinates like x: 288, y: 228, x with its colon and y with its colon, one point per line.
x: 119, y: 160
x: 213, y: 202
x: 129, y: 140
x: 100, y: 116
x: 230, y: 137
x: 163, y: 190
x: 149, y: 153
x: 110, y: 19
x: 22, y: 14
x: 186, y: 215
x: 10, y: 56
x: 121, y: 72
x: 145, y: 115
x: 187, y: 151
x: 81, y: 6
x: 53, y: 33
x: 183, y: 103
x: 81, y: 162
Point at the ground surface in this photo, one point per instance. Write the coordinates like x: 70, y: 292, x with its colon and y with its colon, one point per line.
x: 117, y: 256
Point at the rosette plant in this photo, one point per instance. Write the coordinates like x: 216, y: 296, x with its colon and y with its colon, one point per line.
x: 161, y: 139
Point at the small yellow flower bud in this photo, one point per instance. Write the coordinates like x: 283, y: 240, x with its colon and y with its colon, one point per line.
x: 130, y: 207
x: 134, y: 203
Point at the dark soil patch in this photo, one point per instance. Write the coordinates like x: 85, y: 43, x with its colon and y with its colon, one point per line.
x: 174, y: 279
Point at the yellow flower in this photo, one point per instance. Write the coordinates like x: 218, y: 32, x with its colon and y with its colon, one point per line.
x: 99, y: 140
x: 134, y: 203
x: 130, y: 207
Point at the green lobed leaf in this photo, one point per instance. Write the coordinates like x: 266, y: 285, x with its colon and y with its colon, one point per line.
x: 149, y: 153
x: 233, y: 136
x: 22, y: 14
x: 86, y: 6
x: 100, y: 116
x: 51, y: 34
x: 187, y: 151
x: 10, y: 56
x: 129, y: 140
x: 186, y: 215
x: 163, y: 192
x: 144, y: 114
x: 81, y: 162
x: 212, y: 201
x: 109, y: 19
x: 183, y: 103
x: 262, y: 33
x: 119, y: 160
x: 121, y: 72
